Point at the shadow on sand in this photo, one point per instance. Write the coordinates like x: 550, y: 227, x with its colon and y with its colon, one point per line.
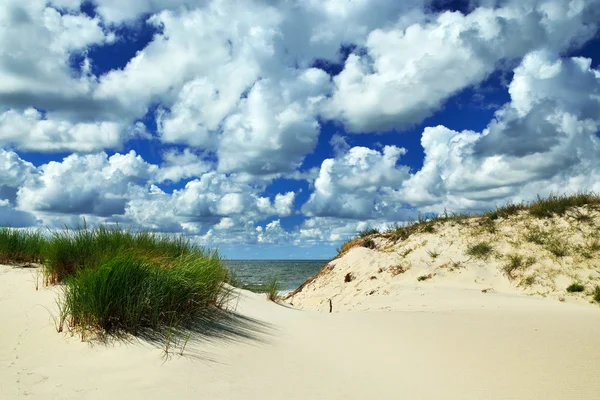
x: 217, y: 326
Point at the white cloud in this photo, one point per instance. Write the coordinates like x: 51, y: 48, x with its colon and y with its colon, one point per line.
x: 31, y: 130
x: 544, y: 140
x: 180, y: 165
x: 275, y: 126
x: 91, y: 184
x: 37, y: 42
x: 361, y: 184
x: 408, y: 72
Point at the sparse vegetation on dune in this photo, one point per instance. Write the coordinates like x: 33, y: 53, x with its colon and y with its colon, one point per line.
x: 271, y: 288
x: 481, y: 250
x: 553, y: 205
x: 560, y: 234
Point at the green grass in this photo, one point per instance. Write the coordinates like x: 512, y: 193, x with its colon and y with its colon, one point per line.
x: 122, y: 281
x: 68, y: 252
x: 433, y: 254
x: 557, y: 247
x: 130, y: 294
x: 273, y: 288
x: 480, y: 250
x: 368, y: 232
x: 596, y: 294
x: 575, y: 288
x: 21, y: 246
x: 505, y: 211
x: 424, y: 277
x: 559, y: 204
x: 368, y: 243
x: 515, y: 262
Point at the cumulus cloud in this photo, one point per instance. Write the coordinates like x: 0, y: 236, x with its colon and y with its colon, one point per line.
x: 213, y: 200
x: 91, y: 184
x: 37, y: 42
x: 408, y: 72
x: 361, y: 184
x: 178, y: 165
x: 544, y: 140
x: 31, y: 130
x: 275, y: 126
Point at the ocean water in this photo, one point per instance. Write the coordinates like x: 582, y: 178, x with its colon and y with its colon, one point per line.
x: 291, y: 273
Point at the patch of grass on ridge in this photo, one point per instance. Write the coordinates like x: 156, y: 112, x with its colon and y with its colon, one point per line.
x: 480, y: 250
x: 21, y: 246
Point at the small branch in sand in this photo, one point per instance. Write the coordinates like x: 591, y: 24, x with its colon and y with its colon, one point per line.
x: 330, y: 305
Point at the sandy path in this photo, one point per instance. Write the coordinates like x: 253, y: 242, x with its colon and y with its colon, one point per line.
x: 486, y: 347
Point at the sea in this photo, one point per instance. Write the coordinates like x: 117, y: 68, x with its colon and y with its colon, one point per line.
x: 291, y: 273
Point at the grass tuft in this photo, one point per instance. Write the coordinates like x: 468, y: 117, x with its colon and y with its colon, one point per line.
x: 480, y: 250
x: 575, y: 288
x: 557, y: 247
x: 21, y: 246
x: 273, y: 288
x: 69, y: 251
x: 596, y: 294
x: 129, y: 294
x: 559, y: 204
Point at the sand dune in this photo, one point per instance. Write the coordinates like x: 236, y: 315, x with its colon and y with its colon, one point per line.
x: 525, y: 255
x: 449, y: 344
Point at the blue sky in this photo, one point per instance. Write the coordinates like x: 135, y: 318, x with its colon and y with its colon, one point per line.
x: 278, y: 129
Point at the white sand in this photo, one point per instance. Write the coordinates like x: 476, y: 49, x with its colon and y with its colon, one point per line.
x: 386, y: 278
x: 450, y: 344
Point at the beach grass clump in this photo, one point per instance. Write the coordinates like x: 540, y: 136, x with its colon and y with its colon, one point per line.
x: 505, y: 211
x: 557, y: 247
x: 368, y: 243
x: 515, y: 262
x: 559, y: 204
x: 130, y: 294
x: 21, y: 246
x: 273, y: 288
x: 481, y: 250
x: 575, y: 288
x: 368, y: 232
x: 596, y: 294
x: 69, y: 251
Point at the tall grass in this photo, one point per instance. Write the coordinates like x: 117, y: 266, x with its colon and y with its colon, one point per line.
x: 21, y: 246
x: 69, y: 251
x: 129, y: 294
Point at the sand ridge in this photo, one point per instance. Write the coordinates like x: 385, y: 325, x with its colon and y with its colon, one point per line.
x: 546, y: 255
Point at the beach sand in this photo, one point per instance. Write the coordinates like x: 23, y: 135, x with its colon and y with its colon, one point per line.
x: 435, y: 343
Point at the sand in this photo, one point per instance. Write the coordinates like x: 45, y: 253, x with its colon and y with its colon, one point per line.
x: 386, y: 277
x: 450, y: 343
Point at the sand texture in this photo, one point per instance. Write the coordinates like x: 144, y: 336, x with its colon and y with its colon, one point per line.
x: 537, y: 257
x: 443, y: 343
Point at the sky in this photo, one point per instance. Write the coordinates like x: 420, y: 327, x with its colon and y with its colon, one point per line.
x: 278, y: 129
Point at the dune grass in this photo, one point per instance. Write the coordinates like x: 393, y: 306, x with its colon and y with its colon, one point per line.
x: 481, y: 250
x: 271, y: 287
x: 68, y: 252
x: 119, y: 280
x: 575, y: 288
x: 129, y: 294
x: 21, y: 246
